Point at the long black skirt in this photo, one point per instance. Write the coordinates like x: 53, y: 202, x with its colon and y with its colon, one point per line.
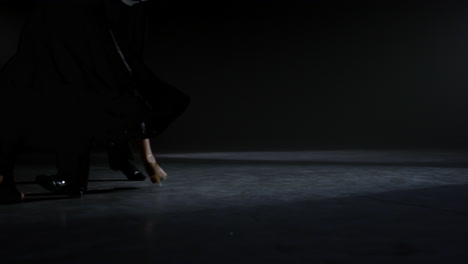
x: 68, y: 80
x: 150, y: 106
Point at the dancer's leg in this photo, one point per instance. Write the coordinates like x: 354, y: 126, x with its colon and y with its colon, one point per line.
x: 9, y: 145
x: 73, y: 164
x: 155, y: 172
x: 119, y: 155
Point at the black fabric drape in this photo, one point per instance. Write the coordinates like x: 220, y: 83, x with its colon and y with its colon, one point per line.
x: 68, y: 78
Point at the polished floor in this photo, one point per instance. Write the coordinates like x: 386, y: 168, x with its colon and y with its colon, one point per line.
x: 321, y: 206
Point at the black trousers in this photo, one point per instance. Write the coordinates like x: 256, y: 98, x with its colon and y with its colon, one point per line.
x: 10, y: 142
x: 72, y: 157
x: 73, y: 161
x: 119, y: 153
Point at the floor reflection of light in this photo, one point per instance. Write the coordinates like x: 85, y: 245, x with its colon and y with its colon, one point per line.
x: 367, y: 156
x: 322, y: 174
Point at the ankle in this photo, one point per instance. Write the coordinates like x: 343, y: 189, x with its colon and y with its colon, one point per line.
x: 150, y: 159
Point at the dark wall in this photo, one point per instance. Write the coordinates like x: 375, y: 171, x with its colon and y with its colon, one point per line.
x: 305, y: 74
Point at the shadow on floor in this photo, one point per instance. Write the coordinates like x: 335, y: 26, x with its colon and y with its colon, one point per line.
x: 36, y: 197
x: 100, y: 180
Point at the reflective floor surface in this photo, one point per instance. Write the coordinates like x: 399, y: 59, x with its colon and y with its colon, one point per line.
x: 322, y: 206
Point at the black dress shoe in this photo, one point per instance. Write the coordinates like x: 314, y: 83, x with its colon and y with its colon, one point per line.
x: 119, y: 156
x: 131, y: 172
x: 52, y: 183
x: 58, y: 185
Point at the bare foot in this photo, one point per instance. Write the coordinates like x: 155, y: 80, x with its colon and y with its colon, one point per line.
x: 156, y: 173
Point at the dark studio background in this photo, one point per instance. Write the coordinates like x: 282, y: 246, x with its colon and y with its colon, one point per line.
x: 306, y: 74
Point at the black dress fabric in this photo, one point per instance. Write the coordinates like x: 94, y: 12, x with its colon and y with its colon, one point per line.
x: 68, y: 77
